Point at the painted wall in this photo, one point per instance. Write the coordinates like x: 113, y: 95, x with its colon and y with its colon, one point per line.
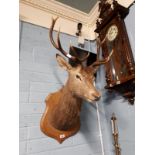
x: 40, y: 75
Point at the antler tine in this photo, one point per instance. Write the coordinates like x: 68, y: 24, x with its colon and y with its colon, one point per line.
x: 98, y: 49
x: 83, y: 59
x: 62, y: 50
x: 100, y: 62
x: 51, y: 32
x: 58, y: 44
x: 97, y: 63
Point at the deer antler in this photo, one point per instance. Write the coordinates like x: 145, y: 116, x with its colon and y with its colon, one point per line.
x: 58, y: 44
x: 98, y: 61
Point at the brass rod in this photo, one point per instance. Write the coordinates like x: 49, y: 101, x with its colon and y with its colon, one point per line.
x: 115, y: 134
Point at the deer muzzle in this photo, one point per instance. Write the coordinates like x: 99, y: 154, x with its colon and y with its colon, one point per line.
x: 94, y: 96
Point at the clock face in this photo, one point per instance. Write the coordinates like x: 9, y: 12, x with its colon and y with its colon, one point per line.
x: 112, y: 32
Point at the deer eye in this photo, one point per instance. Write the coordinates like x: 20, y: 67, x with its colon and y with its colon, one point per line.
x: 78, y: 77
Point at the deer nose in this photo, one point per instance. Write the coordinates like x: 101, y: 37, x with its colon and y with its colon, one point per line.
x: 96, y: 96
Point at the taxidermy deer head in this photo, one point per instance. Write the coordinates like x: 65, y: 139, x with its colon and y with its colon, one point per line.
x: 61, y: 118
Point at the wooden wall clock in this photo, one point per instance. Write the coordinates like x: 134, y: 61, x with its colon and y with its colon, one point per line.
x: 120, y: 70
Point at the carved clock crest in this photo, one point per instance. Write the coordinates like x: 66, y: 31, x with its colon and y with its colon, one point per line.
x: 120, y: 70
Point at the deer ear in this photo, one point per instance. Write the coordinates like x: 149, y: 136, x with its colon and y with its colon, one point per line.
x: 63, y: 63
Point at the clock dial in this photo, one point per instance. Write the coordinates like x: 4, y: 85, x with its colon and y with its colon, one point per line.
x: 112, y: 32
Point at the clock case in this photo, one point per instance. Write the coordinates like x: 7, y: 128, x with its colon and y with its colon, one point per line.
x: 120, y: 70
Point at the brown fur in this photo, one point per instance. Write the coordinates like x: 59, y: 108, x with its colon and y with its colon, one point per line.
x: 62, y: 113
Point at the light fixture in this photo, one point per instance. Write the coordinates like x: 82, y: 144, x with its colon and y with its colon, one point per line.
x: 79, y: 34
x: 79, y: 27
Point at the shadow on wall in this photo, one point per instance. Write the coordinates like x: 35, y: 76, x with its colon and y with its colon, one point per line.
x: 89, y: 122
x: 89, y: 128
x: 108, y: 97
x: 114, y: 102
